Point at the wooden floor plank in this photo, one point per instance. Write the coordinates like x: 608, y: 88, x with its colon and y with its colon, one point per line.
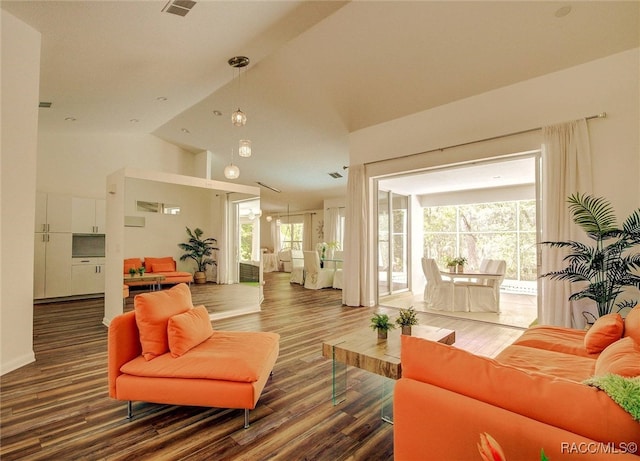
x: 59, y: 408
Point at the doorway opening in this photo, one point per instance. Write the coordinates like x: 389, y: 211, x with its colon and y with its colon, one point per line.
x: 479, y: 211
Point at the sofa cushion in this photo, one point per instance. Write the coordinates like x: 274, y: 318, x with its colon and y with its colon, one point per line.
x: 150, y: 261
x: 632, y: 324
x: 606, y: 330
x: 552, y: 338
x: 187, y: 330
x: 163, y: 267
x: 550, y: 363
x: 620, y: 358
x: 132, y: 263
x: 239, y: 356
x: 153, y: 311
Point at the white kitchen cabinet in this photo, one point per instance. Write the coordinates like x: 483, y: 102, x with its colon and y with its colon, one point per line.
x: 88, y: 216
x: 53, y: 213
x: 52, y: 265
x: 87, y: 276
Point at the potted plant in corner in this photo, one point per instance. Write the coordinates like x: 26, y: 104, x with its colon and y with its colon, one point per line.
x: 200, y: 250
x: 603, y: 270
x: 382, y: 324
x: 406, y: 320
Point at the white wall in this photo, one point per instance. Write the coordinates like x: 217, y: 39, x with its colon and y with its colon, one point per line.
x: 20, y: 84
x: 162, y: 233
x: 79, y: 164
x: 610, y: 85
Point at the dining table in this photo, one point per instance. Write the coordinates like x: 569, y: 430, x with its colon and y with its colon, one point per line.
x: 467, y: 278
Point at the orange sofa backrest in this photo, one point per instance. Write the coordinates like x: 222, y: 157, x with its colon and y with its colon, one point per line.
x: 165, y: 264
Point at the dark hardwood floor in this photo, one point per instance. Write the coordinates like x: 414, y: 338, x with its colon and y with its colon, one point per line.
x: 58, y: 407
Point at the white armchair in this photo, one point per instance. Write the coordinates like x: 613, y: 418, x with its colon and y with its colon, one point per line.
x: 440, y: 294
x: 316, y: 278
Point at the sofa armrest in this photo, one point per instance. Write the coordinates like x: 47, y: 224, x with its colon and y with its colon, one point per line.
x: 123, y: 345
x: 435, y: 423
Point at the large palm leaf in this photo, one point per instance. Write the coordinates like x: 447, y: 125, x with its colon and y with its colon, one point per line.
x: 606, y: 268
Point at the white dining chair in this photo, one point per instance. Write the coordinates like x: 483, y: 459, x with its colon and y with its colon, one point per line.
x: 338, y: 279
x: 315, y: 277
x: 440, y: 294
x: 486, y: 297
x: 297, y: 267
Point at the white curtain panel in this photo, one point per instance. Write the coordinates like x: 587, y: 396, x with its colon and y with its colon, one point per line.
x: 356, y: 258
x: 222, y: 274
x: 332, y: 225
x: 566, y: 160
x: 307, y: 232
x: 275, y: 235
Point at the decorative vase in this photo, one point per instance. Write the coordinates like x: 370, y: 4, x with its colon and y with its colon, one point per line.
x: 406, y: 330
x: 382, y: 334
x: 200, y: 277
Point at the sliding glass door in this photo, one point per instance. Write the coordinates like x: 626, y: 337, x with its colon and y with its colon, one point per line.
x: 393, y: 242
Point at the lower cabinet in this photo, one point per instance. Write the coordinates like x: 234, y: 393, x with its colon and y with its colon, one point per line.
x: 52, y: 265
x: 87, y: 276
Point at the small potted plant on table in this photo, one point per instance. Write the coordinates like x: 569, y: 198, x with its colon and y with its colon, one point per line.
x: 382, y: 324
x: 132, y: 271
x: 406, y: 320
x: 452, y: 263
x: 461, y: 261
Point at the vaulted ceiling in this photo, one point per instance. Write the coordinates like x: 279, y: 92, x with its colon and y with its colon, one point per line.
x: 319, y: 70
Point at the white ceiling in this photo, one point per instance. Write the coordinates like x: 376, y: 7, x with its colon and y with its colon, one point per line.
x: 318, y: 71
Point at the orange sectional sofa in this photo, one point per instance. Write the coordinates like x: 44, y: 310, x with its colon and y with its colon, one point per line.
x: 166, y: 351
x: 162, y: 266
x: 530, y: 397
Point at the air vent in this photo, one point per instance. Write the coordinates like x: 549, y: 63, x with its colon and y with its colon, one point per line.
x: 44, y: 105
x: 178, y: 7
x: 335, y: 175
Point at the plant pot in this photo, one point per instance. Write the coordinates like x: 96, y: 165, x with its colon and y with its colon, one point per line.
x: 382, y: 334
x: 406, y: 330
x: 452, y: 269
x: 460, y: 269
x: 200, y: 277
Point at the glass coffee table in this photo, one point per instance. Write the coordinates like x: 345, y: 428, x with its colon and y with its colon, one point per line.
x: 362, y: 349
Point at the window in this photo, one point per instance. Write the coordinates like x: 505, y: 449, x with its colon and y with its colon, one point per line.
x: 291, y: 236
x: 500, y: 230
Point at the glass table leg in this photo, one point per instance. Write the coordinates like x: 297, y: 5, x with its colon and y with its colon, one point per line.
x: 339, y: 380
x: 386, y: 400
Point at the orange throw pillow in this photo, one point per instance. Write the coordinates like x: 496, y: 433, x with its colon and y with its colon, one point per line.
x: 132, y: 263
x: 150, y: 263
x: 621, y: 358
x: 632, y: 324
x: 186, y: 331
x: 153, y: 311
x: 163, y: 267
x: 606, y: 330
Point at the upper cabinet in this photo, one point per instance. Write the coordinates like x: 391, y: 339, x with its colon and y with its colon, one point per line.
x: 53, y: 213
x: 88, y: 216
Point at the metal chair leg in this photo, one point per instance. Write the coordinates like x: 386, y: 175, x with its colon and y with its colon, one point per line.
x: 246, y: 418
x: 129, y: 410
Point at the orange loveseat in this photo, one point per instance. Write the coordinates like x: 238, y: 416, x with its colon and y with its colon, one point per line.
x: 166, y: 351
x: 162, y: 266
x: 530, y: 397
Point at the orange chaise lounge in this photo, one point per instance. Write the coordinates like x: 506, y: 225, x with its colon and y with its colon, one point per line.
x: 166, y: 351
x: 532, y: 396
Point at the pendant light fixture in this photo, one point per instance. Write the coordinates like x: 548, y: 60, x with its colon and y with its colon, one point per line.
x: 239, y: 118
x: 245, y: 148
x: 231, y: 171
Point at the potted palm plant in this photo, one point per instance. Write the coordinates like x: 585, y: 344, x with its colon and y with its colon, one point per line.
x: 407, y: 318
x: 382, y: 324
x: 606, y: 268
x: 200, y: 250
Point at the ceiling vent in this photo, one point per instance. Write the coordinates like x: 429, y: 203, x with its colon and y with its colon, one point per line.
x: 335, y: 175
x: 44, y: 105
x: 179, y: 7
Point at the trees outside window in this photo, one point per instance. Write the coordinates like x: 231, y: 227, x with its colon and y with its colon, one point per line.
x: 291, y: 235
x: 500, y: 230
